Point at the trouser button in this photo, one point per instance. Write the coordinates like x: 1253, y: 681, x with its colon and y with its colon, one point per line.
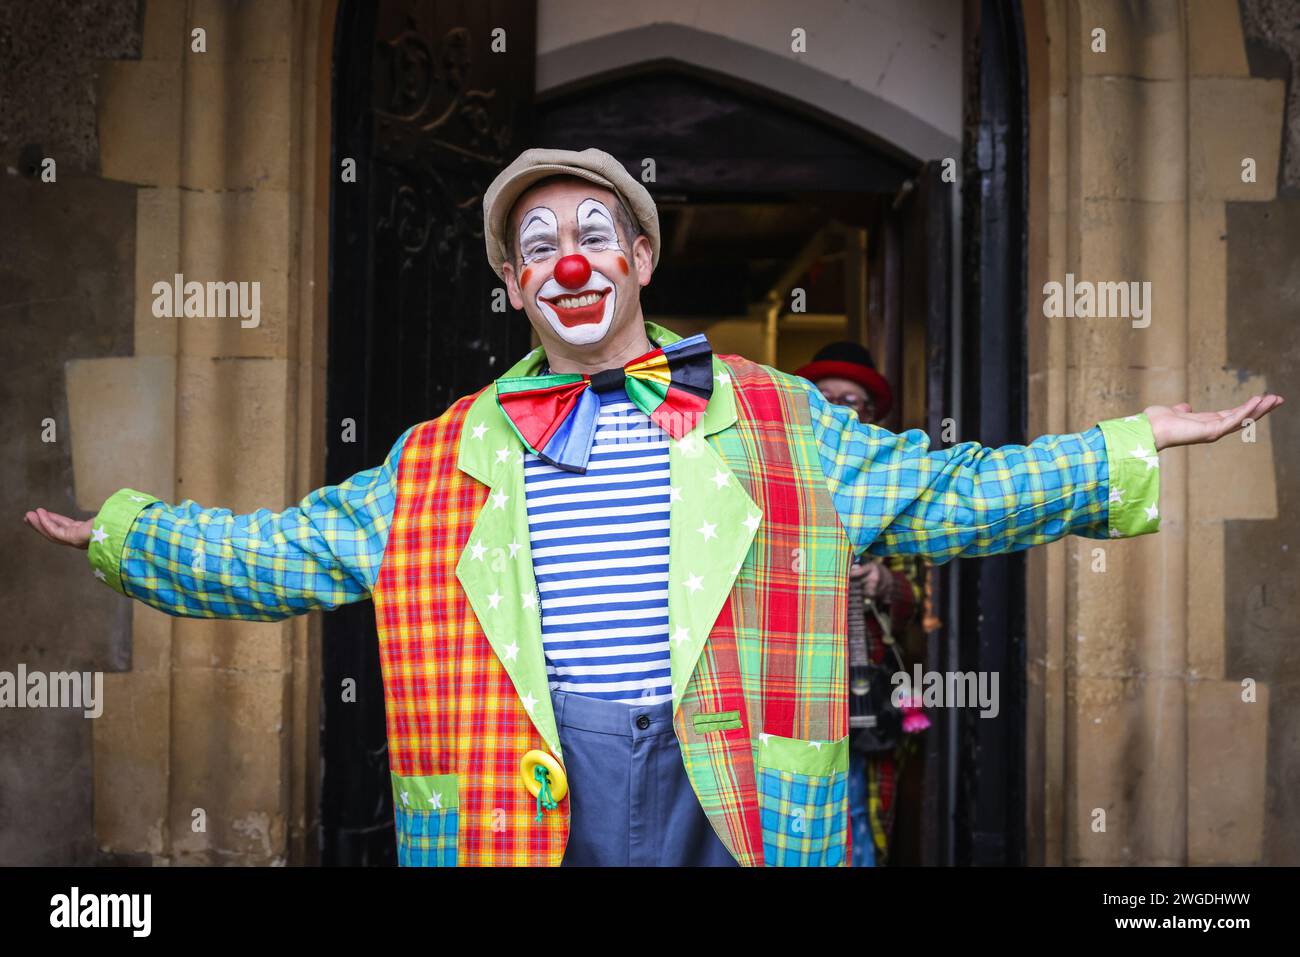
x: 643, y: 722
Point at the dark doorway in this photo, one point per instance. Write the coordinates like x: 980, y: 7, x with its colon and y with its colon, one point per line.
x: 430, y: 114
x: 758, y: 194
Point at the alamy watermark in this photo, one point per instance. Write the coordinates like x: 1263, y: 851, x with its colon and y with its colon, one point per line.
x: 1098, y: 300
x: 75, y: 909
x: 947, y: 689
x: 210, y: 300
x: 54, y: 689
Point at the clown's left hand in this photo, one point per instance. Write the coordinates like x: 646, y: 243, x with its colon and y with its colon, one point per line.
x: 1179, y: 425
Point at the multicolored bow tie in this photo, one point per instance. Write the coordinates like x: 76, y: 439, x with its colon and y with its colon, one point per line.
x: 555, y: 415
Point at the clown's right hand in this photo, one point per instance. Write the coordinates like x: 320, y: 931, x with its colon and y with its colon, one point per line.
x: 60, y: 528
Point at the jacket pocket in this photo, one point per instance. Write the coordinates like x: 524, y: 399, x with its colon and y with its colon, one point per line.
x: 802, y: 800
x: 426, y: 812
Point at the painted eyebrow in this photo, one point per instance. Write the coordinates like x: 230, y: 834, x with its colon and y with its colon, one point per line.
x: 535, y: 218
x: 597, y: 212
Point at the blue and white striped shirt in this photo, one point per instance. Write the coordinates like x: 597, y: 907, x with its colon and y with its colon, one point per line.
x: 600, y: 554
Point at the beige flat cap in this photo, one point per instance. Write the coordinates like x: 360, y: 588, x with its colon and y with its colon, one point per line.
x: 531, y: 165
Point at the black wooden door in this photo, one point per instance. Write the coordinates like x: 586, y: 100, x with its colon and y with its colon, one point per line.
x: 990, y: 785
x: 431, y: 100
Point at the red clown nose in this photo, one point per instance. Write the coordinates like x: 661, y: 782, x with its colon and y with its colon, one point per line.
x: 572, y: 272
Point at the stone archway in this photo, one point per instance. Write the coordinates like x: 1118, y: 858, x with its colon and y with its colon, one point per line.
x: 814, y: 91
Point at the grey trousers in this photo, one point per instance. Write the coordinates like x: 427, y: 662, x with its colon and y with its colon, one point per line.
x: 630, y: 801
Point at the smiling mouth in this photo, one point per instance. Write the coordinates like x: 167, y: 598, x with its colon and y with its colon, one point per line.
x: 580, y: 308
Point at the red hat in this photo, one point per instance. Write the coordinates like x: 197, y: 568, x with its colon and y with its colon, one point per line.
x: 850, y: 360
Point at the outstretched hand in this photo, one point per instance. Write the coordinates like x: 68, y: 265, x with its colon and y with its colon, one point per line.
x: 1179, y: 425
x: 59, y: 528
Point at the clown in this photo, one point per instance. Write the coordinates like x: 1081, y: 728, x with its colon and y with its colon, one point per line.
x: 578, y: 301
x: 610, y: 586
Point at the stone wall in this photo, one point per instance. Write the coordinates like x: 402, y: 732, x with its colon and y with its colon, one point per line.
x: 67, y: 272
x: 209, y: 160
x: 1262, y: 559
x: 1144, y: 748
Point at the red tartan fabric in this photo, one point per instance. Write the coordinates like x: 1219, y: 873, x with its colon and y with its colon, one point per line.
x: 776, y: 652
x: 725, y: 760
x: 450, y: 706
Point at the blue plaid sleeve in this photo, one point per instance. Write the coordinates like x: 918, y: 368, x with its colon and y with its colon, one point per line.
x: 210, y: 563
x: 896, y: 496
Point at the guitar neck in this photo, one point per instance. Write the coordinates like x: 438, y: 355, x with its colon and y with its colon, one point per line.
x: 858, y: 657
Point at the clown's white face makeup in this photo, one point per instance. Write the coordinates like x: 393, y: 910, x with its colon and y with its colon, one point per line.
x: 579, y: 298
x: 577, y: 275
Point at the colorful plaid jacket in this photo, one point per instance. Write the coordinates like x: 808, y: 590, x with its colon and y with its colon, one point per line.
x: 437, y: 536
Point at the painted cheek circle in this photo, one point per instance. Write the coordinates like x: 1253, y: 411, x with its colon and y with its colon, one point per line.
x: 528, y: 274
x: 622, y: 264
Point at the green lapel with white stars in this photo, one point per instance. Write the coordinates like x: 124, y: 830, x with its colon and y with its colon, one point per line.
x: 712, y: 523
